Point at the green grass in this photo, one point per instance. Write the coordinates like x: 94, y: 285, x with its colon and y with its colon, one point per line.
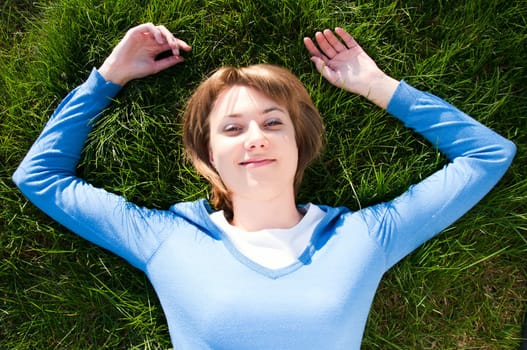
x: 466, y: 289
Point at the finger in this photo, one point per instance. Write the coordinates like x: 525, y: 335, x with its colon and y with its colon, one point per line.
x: 324, y: 45
x: 312, y: 48
x: 183, y: 45
x: 167, y: 35
x: 168, y: 62
x: 164, y: 50
x: 148, y: 30
x: 347, y: 38
x: 172, y: 42
x: 319, y: 64
x: 162, y: 35
x: 144, y: 29
x: 334, y: 41
x: 175, y: 43
x: 324, y: 69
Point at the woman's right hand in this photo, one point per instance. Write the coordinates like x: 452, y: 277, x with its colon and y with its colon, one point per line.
x: 135, y: 55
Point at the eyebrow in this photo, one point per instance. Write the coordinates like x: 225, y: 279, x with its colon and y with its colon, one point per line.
x: 272, y: 109
x: 265, y: 111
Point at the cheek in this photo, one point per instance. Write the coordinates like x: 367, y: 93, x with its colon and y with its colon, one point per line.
x: 289, y: 153
x: 289, y: 144
x: 294, y: 159
x: 221, y: 151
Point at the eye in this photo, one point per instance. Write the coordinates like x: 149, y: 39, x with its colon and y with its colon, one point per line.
x: 273, y: 123
x: 232, y: 129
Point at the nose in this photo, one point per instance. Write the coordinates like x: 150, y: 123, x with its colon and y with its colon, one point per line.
x: 255, y: 138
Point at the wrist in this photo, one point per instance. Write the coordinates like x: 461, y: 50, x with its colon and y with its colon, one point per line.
x: 111, y: 74
x: 381, y: 89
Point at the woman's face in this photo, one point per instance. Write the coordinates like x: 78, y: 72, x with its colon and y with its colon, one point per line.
x: 252, y: 144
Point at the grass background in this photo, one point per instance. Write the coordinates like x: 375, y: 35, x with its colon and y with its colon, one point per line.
x: 466, y: 289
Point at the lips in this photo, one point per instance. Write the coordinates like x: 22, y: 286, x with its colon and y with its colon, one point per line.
x: 256, y: 162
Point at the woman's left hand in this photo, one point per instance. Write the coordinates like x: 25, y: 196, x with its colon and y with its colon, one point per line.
x: 346, y: 65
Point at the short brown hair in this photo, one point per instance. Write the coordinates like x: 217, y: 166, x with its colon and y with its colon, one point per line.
x: 278, y: 84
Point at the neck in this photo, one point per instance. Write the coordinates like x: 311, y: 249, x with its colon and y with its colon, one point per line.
x: 275, y: 212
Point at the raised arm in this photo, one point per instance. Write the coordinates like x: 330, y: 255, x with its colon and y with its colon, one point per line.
x: 478, y: 157
x: 47, y: 175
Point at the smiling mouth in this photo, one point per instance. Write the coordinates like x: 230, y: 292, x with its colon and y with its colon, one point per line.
x: 257, y: 163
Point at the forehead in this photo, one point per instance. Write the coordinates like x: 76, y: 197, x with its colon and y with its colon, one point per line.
x: 240, y: 99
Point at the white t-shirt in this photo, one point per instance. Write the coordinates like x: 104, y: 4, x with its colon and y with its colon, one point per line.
x: 273, y: 248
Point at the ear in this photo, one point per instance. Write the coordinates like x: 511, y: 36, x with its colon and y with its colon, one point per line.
x: 211, y: 158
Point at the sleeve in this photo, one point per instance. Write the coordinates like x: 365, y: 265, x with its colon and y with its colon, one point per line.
x: 47, y: 178
x: 478, y: 158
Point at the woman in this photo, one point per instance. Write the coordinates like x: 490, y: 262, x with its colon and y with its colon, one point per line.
x: 261, y: 272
